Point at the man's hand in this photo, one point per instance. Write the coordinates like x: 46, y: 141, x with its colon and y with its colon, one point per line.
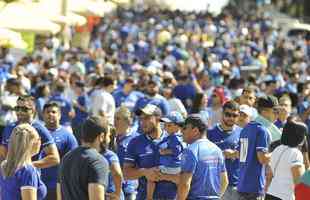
x: 112, y: 196
x: 230, y: 154
x: 152, y: 174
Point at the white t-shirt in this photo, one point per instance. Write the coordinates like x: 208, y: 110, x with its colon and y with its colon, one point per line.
x: 102, y: 101
x: 282, y: 184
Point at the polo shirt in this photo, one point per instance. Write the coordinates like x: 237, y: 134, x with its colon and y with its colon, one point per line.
x: 206, y: 162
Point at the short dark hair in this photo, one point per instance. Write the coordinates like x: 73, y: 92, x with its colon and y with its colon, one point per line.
x: 232, y: 105
x: 267, y: 102
x: 92, y: 128
x: 51, y: 104
x: 196, y: 121
x: 26, y: 97
x: 294, y: 134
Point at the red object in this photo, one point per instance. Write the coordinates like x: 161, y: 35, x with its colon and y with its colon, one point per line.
x: 89, y: 26
x: 302, y: 192
x: 221, y: 94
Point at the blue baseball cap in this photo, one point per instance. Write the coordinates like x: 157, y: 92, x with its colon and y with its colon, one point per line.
x: 173, y: 117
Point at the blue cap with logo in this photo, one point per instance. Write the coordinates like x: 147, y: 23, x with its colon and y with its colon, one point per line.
x: 173, y: 117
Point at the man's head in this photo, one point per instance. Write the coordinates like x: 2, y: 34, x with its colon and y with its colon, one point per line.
x: 267, y: 106
x: 230, y: 114
x: 149, y: 118
x: 122, y: 119
x: 194, y: 128
x: 129, y: 85
x: 25, y: 109
x: 248, y: 96
x: 152, y: 88
x: 95, y: 132
x: 173, y: 122
x: 285, y: 104
x: 52, y: 115
x: 246, y: 112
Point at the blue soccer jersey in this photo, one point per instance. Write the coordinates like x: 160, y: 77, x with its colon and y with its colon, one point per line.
x: 111, y: 158
x: 253, y: 138
x: 26, y: 176
x: 227, y: 140
x: 143, y: 152
x: 173, y: 143
x: 129, y: 186
x: 206, y: 162
x: 65, y: 142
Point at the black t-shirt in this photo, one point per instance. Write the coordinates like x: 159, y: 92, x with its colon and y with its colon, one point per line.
x: 80, y: 167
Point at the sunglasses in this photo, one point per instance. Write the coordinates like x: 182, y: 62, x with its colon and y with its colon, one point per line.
x: 21, y: 109
x: 228, y: 114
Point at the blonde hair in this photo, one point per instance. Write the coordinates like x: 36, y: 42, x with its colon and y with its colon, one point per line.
x: 124, y: 113
x: 19, y: 149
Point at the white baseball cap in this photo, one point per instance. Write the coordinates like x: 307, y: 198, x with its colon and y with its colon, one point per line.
x: 247, y: 110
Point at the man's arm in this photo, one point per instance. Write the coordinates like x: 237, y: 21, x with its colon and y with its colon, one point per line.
x: 224, y: 183
x: 175, y: 178
x: 230, y: 154
x: 183, y: 188
x: 96, y: 191
x: 58, y: 190
x: 117, y: 176
x: 3, y: 152
x: 51, y: 158
x: 263, y: 157
x: 131, y: 172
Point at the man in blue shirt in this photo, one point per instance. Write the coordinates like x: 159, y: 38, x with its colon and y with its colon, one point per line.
x: 67, y: 111
x: 203, y: 173
x: 124, y: 134
x: 143, y: 156
x: 65, y: 142
x: 153, y: 97
x: 25, y: 110
x: 226, y: 136
x: 254, y: 156
x: 126, y: 94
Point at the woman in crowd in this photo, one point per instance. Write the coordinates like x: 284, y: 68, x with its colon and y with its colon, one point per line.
x: 287, y: 164
x: 19, y: 179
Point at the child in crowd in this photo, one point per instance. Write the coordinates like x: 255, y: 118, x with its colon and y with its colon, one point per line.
x: 170, y: 148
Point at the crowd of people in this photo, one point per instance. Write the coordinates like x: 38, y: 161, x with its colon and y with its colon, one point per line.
x: 159, y: 107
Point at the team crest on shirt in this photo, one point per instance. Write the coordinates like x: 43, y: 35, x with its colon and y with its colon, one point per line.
x: 148, y: 149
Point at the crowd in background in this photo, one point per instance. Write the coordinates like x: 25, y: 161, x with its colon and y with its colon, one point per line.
x: 180, y: 62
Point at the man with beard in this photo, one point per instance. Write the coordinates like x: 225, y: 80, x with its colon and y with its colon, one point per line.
x: 25, y: 111
x: 226, y: 136
x: 65, y: 142
x: 142, y: 156
x: 83, y: 172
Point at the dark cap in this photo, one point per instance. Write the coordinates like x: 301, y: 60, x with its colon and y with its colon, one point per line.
x: 267, y: 102
x: 196, y: 121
